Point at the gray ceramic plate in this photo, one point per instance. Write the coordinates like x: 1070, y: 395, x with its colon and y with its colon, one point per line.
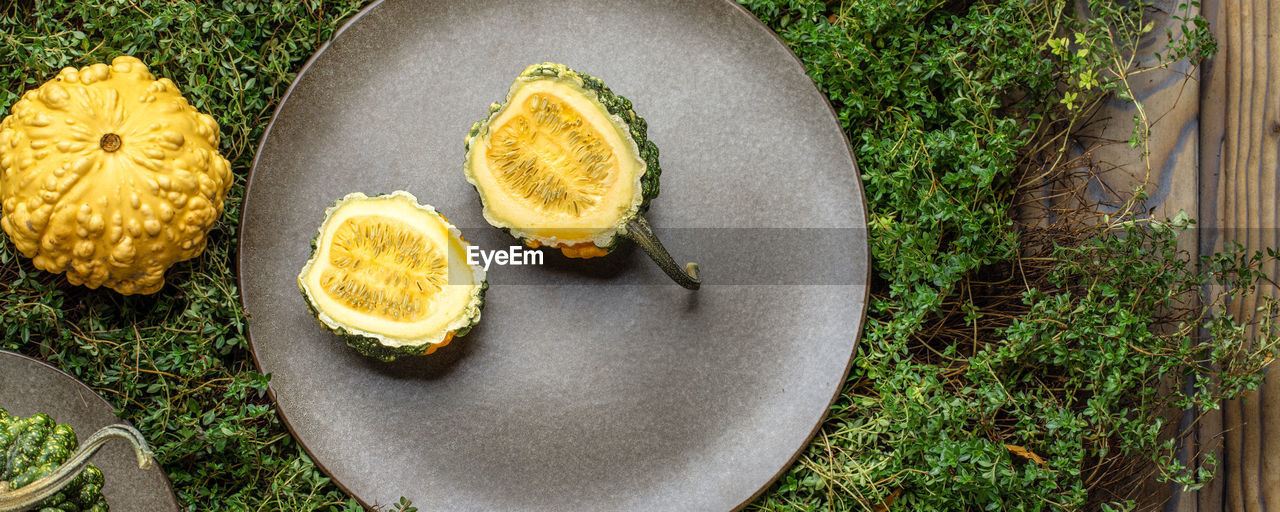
x: 28, y: 386
x: 587, y: 386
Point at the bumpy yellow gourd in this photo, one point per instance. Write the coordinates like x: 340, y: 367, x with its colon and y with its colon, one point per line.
x: 109, y: 175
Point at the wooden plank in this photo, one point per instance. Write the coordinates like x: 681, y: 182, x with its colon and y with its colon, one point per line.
x: 1170, y: 99
x: 1215, y: 152
x: 1111, y: 169
x: 1241, y: 173
x: 1212, y: 125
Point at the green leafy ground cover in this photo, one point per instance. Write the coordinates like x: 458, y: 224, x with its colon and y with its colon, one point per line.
x: 1004, y: 366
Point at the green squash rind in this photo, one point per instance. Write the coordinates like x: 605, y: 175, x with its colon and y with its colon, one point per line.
x: 33, y: 447
x: 613, y: 103
x: 373, y: 344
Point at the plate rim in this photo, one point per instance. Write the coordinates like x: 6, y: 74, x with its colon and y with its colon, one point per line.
x: 275, y: 114
x: 164, y: 476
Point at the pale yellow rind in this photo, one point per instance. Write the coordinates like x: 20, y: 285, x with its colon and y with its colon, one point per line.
x: 456, y: 306
x: 598, y: 225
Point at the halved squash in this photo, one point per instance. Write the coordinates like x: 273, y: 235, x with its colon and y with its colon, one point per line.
x: 390, y: 276
x: 566, y: 163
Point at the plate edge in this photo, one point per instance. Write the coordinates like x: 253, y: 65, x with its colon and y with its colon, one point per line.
x: 164, y: 477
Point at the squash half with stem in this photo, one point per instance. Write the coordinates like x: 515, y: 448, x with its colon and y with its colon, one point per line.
x: 390, y: 276
x: 565, y: 163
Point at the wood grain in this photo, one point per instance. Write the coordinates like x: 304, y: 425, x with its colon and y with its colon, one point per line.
x: 1215, y: 153
x: 1175, y: 101
x: 1241, y: 174
x: 1109, y: 168
x: 1212, y: 124
x: 1170, y: 102
x: 1170, y: 99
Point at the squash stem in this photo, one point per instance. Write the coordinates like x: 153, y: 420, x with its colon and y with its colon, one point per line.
x: 639, y: 231
x: 110, y: 143
x: 38, y: 491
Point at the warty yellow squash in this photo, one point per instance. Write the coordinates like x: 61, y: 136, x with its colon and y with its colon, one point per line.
x: 108, y: 175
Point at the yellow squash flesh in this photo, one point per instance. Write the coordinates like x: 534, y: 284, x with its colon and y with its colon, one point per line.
x: 391, y: 275
x: 557, y: 170
x: 108, y: 175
